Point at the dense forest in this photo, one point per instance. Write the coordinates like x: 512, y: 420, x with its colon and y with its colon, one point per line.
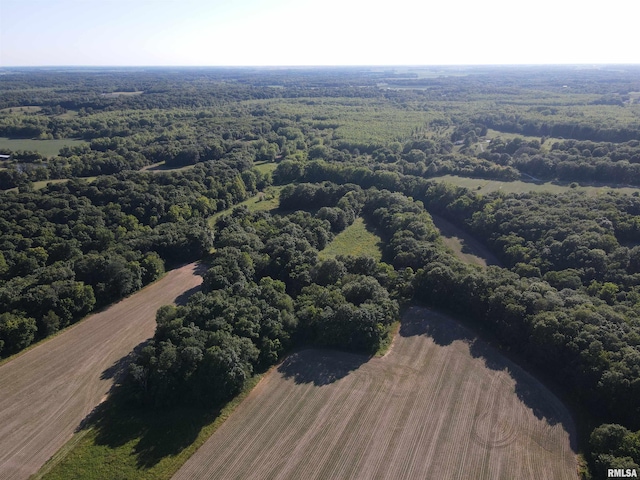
x: 109, y: 177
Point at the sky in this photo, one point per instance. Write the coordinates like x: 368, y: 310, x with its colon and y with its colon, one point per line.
x: 314, y: 32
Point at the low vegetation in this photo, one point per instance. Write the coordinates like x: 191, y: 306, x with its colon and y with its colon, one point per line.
x: 484, y: 186
x: 44, y: 147
x: 120, y: 442
x: 355, y: 240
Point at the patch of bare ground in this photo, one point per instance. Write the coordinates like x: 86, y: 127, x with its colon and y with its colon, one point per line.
x: 464, y: 246
x: 46, y: 392
x: 441, y: 404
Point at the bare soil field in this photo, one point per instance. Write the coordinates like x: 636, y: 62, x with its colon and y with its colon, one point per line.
x: 46, y: 392
x: 440, y: 405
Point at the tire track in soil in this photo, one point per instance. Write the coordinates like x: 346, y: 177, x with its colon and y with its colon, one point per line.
x: 344, y: 415
x: 48, y: 390
x: 352, y: 448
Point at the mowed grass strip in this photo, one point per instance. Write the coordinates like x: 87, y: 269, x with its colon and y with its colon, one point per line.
x: 482, y: 185
x: 440, y: 404
x: 50, y: 148
x: 122, y: 442
x: 24, y: 109
x: 464, y: 246
x: 262, y: 202
x: 355, y: 240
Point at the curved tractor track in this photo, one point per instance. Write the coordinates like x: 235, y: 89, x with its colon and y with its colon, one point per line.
x: 441, y: 404
x: 46, y: 392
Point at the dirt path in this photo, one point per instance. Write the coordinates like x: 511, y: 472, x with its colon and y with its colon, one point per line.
x: 441, y: 405
x: 46, y: 392
x: 464, y: 245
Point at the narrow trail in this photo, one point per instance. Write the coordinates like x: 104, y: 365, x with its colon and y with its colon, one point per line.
x: 46, y: 392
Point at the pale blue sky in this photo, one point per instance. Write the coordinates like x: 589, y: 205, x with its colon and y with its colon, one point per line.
x: 310, y: 32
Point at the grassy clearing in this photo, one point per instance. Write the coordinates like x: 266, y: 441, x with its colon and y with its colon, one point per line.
x: 354, y: 120
x: 546, y: 146
x: 121, y: 94
x: 132, y: 443
x: 265, y: 167
x: 43, y: 183
x: 40, y: 184
x: 25, y: 109
x: 160, y: 167
x: 440, y: 404
x: 481, y: 185
x: 464, y: 245
x: 356, y: 240
x: 69, y: 114
x: 385, y: 345
x: 262, y: 202
x: 50, y: 148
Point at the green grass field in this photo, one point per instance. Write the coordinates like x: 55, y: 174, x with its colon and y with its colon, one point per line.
x: 160, y: 167
x: 546, y: 146
x: 356, y: 240
x: 263, y: 201
x: 481, y: 185
x: 121, y: 94
x: 122, y: 443
x: 265, y: 167
x: 353, y: 120
x: 40, y: 184
x: 24, y: 109
x: 50, y: 148
x: 43, y: 183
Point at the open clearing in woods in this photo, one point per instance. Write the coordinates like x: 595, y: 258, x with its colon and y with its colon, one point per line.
x: 463, y: 244
x: 484, y: 186
x: 50, y: 148
x: 441, y: 404
x: 47, y: 391
x: 355, y: 240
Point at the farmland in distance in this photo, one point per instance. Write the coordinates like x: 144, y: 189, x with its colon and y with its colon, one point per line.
x: 441, y: 404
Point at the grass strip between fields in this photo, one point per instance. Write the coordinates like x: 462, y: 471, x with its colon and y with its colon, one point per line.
x: 122, y: 442
x: 387, y: 342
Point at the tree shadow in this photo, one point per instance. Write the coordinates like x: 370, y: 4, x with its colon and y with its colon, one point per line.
x: 184, y: 297
x: 201, y: 268
x: 320, y: 367
x: 120, y: 367
x: 531, y: 392
x: 422, y: 321
x: 156, y: 433
x: 382, y: 243
x: 469, y: 244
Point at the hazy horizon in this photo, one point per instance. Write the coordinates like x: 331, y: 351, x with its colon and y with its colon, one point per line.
x: 346, y: 66
x: 255, y: 33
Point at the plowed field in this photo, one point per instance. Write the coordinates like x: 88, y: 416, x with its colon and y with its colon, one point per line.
x: 46, y: 392
x: 440, y: 405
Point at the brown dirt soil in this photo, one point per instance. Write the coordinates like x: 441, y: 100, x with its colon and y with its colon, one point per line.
x: 47, y: 391
x: 442, y: 404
